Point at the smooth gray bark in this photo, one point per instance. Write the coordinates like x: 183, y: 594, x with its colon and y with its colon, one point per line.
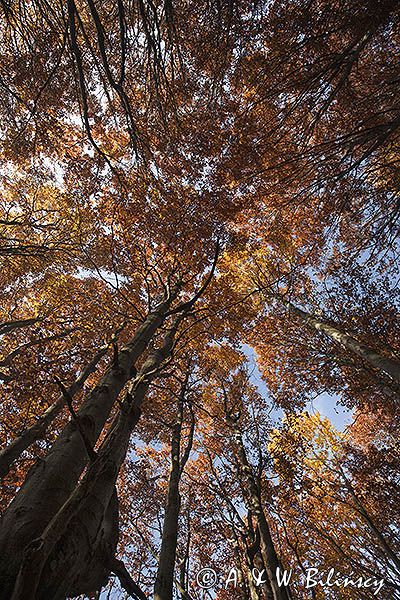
x: 58, y: 564
x: 388, y: 365
x: 51, y: 481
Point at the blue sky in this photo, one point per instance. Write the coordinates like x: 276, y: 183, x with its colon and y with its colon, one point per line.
x: 326, y: 404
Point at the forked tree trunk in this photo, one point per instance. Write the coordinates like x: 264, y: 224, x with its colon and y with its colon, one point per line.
x: 71, y: 557
x: 388, y: 365
x: 52, y: 480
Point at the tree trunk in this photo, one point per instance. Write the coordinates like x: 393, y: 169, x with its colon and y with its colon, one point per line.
x: 253, y: 593
x: 51, y: 481
x: 377, y: 533
x: 264, y: 589
x: 244, y: 586
x: 253, y: 559
x: 253, y: 502
x: 383, y: 363
x: 63, y: 561
x: 163, y: 589
x: 39, y: 428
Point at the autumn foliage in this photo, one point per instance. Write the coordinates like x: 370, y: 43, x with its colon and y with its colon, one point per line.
x: 199, y: 323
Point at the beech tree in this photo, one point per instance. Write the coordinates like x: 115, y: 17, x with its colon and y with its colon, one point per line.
x: 183, y: 192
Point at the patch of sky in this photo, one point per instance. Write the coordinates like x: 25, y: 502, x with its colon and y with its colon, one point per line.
x: 111, y: 277
x: 327, y: 405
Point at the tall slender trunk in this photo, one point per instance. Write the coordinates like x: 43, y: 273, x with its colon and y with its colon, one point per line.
x: 377, y: 533
x: 253, y: 502
x: 244, y: 585
x: 65, y: 560
x: 388, y: 365
x: 254, y: 595
x: 264, y: 589
x: 52, y: 480
x: 39, y: 428
x: 184, y: 563
x: 254, y: 559
x: 163, y: 589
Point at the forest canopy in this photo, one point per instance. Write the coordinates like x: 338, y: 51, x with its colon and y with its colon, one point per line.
x: 199, y: 318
